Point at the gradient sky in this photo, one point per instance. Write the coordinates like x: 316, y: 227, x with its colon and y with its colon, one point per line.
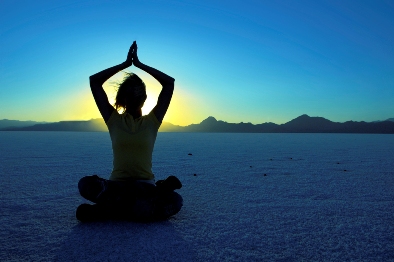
x: 251, y: 61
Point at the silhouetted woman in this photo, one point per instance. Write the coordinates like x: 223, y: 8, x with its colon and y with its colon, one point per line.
x: 131, y: 192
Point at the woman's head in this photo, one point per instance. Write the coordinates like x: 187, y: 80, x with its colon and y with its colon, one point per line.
x: 131, y: 93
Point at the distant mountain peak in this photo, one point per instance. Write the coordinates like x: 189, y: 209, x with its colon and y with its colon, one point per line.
x: 209, y: 120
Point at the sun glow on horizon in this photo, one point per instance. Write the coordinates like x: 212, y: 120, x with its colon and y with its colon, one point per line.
x: 149, y: 104
x: 183, y: 108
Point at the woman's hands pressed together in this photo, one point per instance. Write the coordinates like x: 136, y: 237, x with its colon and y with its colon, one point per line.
x: 136, y: 61
x: 132, y: 57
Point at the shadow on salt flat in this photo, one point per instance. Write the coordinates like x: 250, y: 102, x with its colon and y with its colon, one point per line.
x: 125, y: 241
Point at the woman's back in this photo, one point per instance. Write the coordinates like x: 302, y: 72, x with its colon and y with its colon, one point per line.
x: 132, y: 144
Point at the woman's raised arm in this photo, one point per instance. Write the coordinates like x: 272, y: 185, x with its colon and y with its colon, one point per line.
x: 167, y: 83
x: 96, y: 85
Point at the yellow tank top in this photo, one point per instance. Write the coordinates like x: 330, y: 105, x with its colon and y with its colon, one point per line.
x: 132, y: 145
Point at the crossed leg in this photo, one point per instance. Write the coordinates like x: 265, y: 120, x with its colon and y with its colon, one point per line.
x: 130, y: 200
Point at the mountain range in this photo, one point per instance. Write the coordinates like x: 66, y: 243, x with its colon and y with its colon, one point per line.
x: 301, y: 124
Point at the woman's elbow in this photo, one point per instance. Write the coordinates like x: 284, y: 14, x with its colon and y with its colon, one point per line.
x: 93, y: 81
x: 171, y: 82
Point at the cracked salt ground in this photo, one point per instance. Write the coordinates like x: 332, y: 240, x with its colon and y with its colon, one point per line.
x: 306, y: 209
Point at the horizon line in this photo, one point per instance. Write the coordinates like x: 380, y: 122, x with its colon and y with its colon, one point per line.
x: 242, y: 122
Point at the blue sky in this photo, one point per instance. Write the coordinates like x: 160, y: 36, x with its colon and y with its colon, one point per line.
x: 250, y: 61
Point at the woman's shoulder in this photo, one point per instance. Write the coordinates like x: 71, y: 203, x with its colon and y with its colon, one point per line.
x: 152, y: 117
x: 114, y: 115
